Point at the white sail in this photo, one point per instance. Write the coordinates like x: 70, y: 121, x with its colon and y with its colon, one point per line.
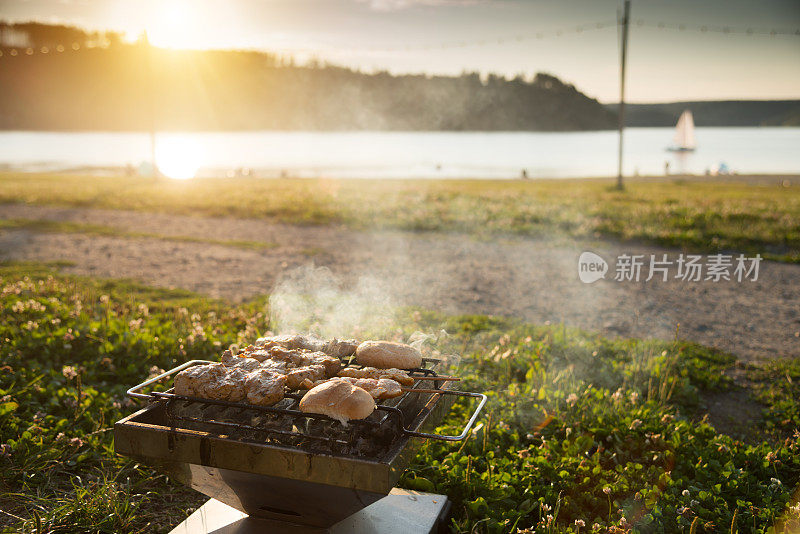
x: 684, y: 131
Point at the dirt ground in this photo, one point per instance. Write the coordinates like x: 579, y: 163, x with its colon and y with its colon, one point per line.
x: 533, y: 279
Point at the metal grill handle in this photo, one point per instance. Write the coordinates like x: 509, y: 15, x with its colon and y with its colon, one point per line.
x: 134, y: 391
x: 467, y: 427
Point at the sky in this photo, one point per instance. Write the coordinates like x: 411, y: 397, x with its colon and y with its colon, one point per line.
x: 407, y: 36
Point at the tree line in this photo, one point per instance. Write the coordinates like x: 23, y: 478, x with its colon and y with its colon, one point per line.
x: 108, y: 84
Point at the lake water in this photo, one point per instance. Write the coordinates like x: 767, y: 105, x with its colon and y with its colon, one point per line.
x: 408, y: 154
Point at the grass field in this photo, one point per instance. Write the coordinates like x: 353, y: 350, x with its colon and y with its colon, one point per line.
x: 697, y: 215
x: 581, y: 433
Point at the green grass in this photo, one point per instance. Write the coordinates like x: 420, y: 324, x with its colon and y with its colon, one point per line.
x: 570, y: 414
x: 695, y: 215
x: 68, y: 227
x: 777, y: 385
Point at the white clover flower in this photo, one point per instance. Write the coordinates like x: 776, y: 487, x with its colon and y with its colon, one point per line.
x: 69, y: 371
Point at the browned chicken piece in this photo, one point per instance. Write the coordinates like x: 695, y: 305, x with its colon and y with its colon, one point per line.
x: 379, y: 389
x: 340, y: 348
x: 337, y: 348
x: 398, y: 375
x: 281, y: 354
x: 277, y: 366
x: 291, y: 341
x: 228, y: 387
x: 240, y: 362
x: 186, y: 380
x: 264, y: 387
x: 219, y: 382
x: 297, y: 358
x: 257, y: 354
x: 388, y: 388
x: 308, y: 384
x: 330, y: 363
x: 199, y: 380
x: 295, y: 377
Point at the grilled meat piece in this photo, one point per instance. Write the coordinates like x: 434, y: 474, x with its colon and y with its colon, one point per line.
x: 296, y: 358
x: 244, y: 363
x: 337, y: 348
x: 330, y: 363
x: 228, y: 387
x: 378, y: 388
x: 291, y: 341
x: 341, y: 348
x: 199, y: 380
x: 264, y: 387
x: 219, y: 382
x: 397, y: 375
x: 295, y: 377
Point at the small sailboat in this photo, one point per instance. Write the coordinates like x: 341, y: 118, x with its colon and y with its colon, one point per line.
x: 684, y: 133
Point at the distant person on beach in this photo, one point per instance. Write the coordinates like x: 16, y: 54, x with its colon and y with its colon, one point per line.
x: 666, y: 168
x: 524, y: 174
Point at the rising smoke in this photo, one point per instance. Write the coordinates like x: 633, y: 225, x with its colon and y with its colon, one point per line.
x: 312, y: 300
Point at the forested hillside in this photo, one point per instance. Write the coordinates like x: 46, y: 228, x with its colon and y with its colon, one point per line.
x: 107, y: 84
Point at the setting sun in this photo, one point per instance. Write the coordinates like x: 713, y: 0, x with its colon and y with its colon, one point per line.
x: 178, y: 157
x: 173, y: 24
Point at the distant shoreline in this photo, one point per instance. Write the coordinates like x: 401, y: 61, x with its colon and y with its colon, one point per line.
x: 776, y: 179
x: 350, y: 131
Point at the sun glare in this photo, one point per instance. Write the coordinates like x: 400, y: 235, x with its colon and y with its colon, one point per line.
x: 173, y: 25
x: 178, y: 158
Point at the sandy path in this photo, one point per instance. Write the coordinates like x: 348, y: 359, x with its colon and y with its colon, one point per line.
x: 533, y: 279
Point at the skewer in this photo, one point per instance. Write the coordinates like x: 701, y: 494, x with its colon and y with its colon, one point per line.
x: 413, y: 390
x: 443, y: 378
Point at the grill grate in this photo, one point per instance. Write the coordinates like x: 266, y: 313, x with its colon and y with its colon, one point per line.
x: 283, y: 424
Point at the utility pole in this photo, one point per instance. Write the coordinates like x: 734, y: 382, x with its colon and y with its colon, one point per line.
x: 151, y: 100
x: 624, y: 22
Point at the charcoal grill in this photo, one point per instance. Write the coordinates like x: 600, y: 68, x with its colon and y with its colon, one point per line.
x: 277, y: 463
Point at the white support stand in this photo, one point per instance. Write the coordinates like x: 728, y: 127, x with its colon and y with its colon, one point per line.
x: 400, y: 512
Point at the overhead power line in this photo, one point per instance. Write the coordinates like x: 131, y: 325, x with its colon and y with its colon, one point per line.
x: 704, y: 28
x: 448, y: 45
